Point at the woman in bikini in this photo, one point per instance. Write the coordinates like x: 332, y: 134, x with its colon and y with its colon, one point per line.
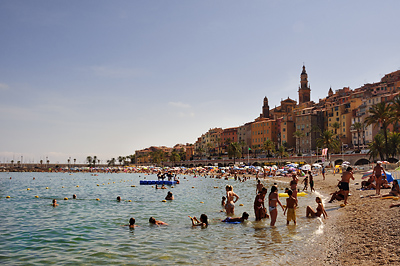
x: 273, y: 201
x: 231, y: 198
x: 259, y: 208
x: 320, y: 210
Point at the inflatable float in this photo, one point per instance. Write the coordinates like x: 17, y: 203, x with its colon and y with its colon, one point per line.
x: 299, y: 194
x: 157, y: 182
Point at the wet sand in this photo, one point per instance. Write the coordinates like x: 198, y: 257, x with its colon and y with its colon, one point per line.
x: 365, y: 232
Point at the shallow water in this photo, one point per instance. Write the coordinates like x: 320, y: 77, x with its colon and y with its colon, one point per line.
x: 86, y: 231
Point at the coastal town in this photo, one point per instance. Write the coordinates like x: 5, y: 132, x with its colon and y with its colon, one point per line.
x: 295, y: 128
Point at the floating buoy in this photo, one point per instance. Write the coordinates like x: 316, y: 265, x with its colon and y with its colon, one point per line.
x: 28, y: 189
x: 201, y: 202
x: 164, y: 200
x: 113, y: 182
x: 98, y: 185
x: 103, y: 184
x: 8, y: 197
x: 152, y: 186
x: 172, y: 186
x: 77, y: 186
x: 47, y: 187
x: 342, y: 205
x: 65, y: 198
x: 215, y: 187
x: 97, y: 199
x: 129, y: 201
x: 240, y: 204
x: 192, y: 187
x: 36, y: 196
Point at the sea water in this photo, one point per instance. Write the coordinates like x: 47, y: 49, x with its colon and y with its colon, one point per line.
x: 85, y: 231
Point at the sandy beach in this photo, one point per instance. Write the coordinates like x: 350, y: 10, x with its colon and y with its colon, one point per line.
x: 365, y: 232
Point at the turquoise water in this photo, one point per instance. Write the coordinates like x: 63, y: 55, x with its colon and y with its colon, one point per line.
x: 87, y: 232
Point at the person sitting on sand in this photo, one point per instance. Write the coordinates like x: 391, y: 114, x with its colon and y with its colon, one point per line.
x: 320, y: 210
x: 395, y: 191
x: 54, y: 203
x: 169, y: 196
x: 203, y: 221
x: 244, y: 217
x: 338, y: 195
x: 131, y: 223
x: 291, y: 204
x: 152, y: 220
x: 367, y: 183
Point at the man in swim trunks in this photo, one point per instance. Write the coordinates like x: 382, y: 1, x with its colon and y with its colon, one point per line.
x: 344, y: 183
x: 378, y: 171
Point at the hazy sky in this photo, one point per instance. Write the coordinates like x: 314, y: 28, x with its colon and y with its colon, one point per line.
x: 106, y: 78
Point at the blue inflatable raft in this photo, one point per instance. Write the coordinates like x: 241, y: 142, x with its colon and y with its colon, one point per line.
x: 157, y: 182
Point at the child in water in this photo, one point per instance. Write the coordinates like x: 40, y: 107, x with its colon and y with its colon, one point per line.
x: 203, y: 221
x: 291, y: 204
x: 244, y: 217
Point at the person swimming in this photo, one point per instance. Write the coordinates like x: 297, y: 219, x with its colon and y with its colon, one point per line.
x: 132, y: 222
x: 244, y: 217
x: 152, y: 220
x: 54, y: 203
x: 169, y: 196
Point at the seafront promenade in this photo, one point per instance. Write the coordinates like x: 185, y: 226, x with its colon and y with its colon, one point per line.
x: 353, y: 159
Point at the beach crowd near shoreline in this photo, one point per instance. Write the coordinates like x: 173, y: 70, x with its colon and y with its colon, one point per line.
x: 364, y: 232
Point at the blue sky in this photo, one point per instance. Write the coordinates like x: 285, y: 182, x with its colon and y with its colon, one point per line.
x: 106, y: 78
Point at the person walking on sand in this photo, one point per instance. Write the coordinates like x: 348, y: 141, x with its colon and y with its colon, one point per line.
x: 378, y: 171
x: 273, y: 201
x: 231, y: 199
x: 311, y: 181
x: 305, y: 182
x: 344, y: 183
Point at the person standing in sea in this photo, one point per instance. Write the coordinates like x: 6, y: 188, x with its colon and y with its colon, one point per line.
x: 344, y: 183
x: 273, y: 201
x: 231, y: 199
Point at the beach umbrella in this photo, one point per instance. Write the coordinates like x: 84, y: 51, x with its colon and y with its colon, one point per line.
x: 316, y: 165
x: 306, y: 167
x: 367, y: 174
x: 346, y: 162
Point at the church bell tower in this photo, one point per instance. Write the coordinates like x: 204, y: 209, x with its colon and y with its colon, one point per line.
x: 304, y: 89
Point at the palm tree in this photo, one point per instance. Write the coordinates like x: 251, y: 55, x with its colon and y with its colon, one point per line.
x: 234, y: 150
x: 111, y: 162
x: 336, y: 126
x: 298, y: 134
x: 377, y: 147
x: 269, y: 146
x: 282, y: 152
x: 89, y: 160
x: 394, y: 144
x: 381, y: 114
x: 327, y: 140
x: 120, y: 159
x: 396, y: 111
x: 357, y: 126
x: 74, y: 161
